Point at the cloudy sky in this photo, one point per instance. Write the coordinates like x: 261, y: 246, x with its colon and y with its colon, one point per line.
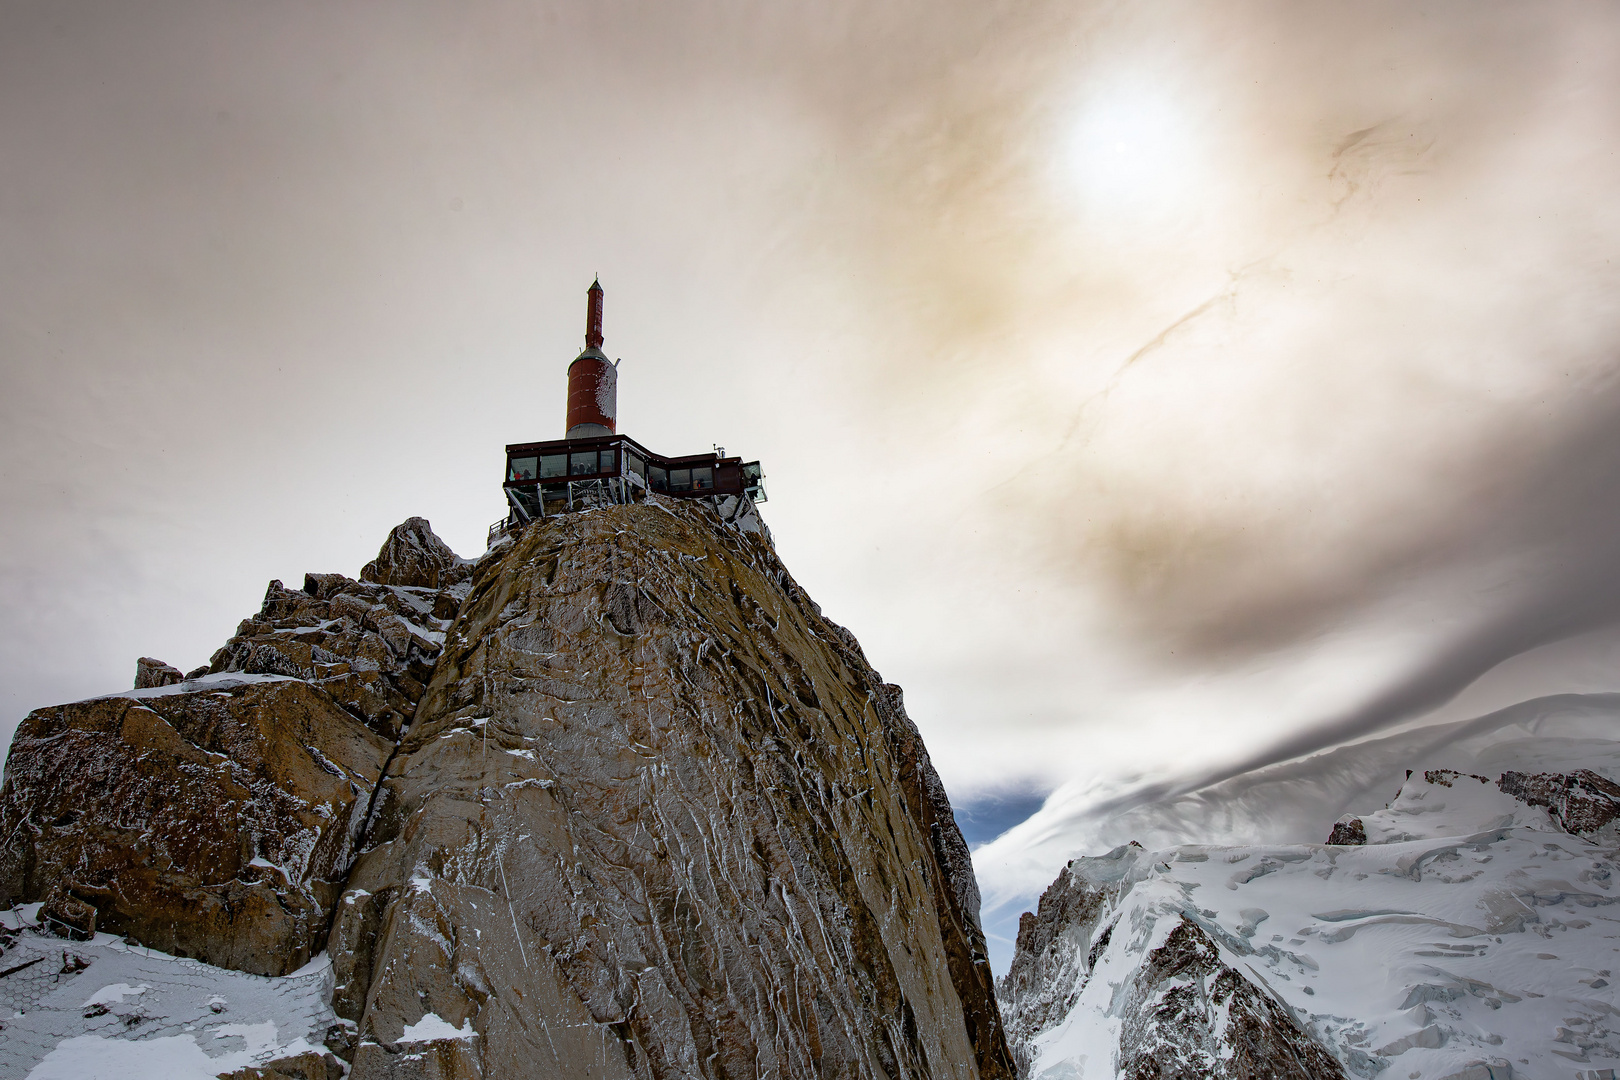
x: 1158, y: 390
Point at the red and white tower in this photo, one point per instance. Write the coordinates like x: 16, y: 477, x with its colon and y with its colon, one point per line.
x: 593, y: 380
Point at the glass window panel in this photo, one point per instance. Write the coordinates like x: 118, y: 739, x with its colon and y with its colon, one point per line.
x: 658, y: 478
x: 582, y: 463
x: 554, y: 465
x: 680, y: 479
x: 702, y: 479
x: 607, y: 461
x: 521, y: 468
x: 637, y: 466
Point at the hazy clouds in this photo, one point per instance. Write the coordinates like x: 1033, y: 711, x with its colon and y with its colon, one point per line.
x: 1229, y: 379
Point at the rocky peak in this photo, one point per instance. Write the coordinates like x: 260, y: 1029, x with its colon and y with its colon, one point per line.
x: 616, y: 800
x: 414, y: 557
x: 655, y: 795
x: 1583, y: 802
x: 151, y: 672
x: 1054, y: 954
x: 1188, y: 1013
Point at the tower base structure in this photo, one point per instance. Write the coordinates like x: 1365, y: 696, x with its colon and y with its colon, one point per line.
x: 562, y: 476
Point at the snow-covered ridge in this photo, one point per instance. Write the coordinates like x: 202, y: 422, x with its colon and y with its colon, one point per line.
x: 1470, y: 936
x: 219, y: 680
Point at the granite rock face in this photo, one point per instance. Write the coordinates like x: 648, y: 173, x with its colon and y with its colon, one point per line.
x: 617, y: 801
x: 414, y: 557
x: 1189, y: 1016
x: 370, y: 647
x: 150, y: 672
x: 657, y: 817
x: 215, y: 815
x: 215, y: 820
x: 1582, y: 803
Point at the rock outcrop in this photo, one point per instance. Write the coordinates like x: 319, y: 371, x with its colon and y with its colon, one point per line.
x: 657, y: 817
x: 615, y: 801
x: 216, y: 815
x: 1581, y: 802
x: 369, y: 647
x: 1348, y: 830
x: 414, y: 557
x: 215, y: 820
x: 150, y: 673
x: 1190, y: 1016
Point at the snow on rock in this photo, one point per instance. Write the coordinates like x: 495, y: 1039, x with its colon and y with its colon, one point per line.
x: 221, y: 683
x: 103, y: 1010
x: 1443, y: 802
x: 116, y: 992
x: 433, y: 1027
x: 1466, y: 934
x: 369, y: 647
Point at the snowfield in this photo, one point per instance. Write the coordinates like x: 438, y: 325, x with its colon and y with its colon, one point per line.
x: 1469, y: 938
x: 104, y: 1010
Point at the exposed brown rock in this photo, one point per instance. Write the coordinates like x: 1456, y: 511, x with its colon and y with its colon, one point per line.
x: 1583, y: 802
x: 1444, y: 777
x: 311, y: 1065
x: 1191, y: 1017
x: 150, y: 672
x: 414, y: 557
x: 655, y: 817
x: 216, y: 823
x: 1348, y: 830
x: 658, y: 817
x: 68, y: 916
x: 370, y: 647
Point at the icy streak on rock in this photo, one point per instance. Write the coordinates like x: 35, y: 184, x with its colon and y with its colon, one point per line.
x: 702, y: 821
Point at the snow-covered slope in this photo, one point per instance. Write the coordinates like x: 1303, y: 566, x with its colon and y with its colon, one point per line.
x: 106, y: 1010
x: 1471, y: 936
x: 1286, y: 803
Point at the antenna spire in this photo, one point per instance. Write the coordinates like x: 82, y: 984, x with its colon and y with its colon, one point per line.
x: 593, y: 316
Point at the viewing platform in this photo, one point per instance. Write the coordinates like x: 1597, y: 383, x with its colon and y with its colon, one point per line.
x: 548, y: 478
